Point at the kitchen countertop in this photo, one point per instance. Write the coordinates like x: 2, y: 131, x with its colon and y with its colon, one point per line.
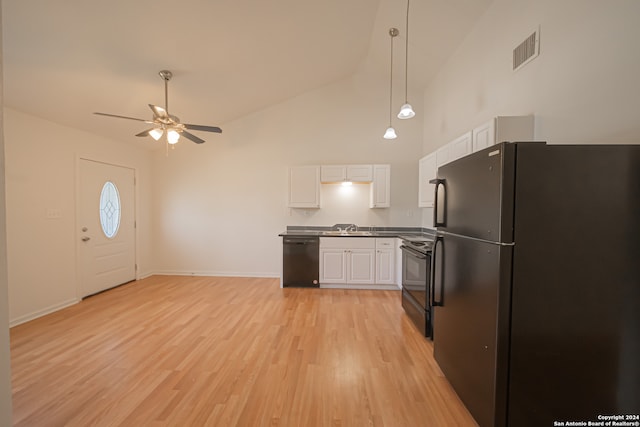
x: 300, y: 231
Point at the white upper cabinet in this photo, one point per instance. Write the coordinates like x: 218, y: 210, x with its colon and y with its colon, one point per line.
x: 360, y: 173
x: 496, y: 130
x: 381, y: 187
x: 333, y: 173
x: 459, y: 147
x: 339, y: 173
x: 503, y: 128
x: 442, y: 156
x: 304, y: 183
x: 427, y: 170
x: 304, y: 187
x: 483, y: 136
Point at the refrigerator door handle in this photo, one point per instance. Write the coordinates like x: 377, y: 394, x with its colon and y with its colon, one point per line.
x: 434, y: 285
x: 439, y: 220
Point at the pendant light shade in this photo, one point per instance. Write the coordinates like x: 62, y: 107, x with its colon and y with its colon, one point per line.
x: 406, y: 111
x: 390, y: 133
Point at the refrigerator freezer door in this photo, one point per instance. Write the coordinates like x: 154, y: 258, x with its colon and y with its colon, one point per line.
x: 471, y: 324
x: 475, y: 195
x: 576, y: 284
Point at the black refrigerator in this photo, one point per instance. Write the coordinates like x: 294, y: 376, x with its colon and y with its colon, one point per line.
x: 536, y: 282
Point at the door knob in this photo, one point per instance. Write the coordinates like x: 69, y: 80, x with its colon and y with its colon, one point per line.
x: 86, y: 239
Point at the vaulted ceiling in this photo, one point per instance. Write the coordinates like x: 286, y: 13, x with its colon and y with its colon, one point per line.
x: 65, y: 59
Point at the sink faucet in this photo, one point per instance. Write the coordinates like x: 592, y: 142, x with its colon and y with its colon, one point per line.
x: 345, y: 228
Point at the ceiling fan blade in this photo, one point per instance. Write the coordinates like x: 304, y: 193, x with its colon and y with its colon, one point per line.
x: 203, y: 128
x: 159, y: 112
x: 145, y: 132
x: 123, y: 117
x: 192, y: 137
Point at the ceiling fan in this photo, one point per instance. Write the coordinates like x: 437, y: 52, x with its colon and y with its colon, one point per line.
x: 165, y: 123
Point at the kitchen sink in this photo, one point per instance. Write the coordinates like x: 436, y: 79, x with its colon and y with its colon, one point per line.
x: 346, y: 233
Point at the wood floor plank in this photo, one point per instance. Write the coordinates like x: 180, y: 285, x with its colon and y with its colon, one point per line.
x: 210, y: 351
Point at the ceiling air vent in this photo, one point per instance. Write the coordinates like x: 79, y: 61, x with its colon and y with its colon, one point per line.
x: 526, y: 51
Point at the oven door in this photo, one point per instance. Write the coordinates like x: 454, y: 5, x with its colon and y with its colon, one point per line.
x: 416, y: 273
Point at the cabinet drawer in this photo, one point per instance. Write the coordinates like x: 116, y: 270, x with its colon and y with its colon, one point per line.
x: 385, y: 243
x: 348, y: 242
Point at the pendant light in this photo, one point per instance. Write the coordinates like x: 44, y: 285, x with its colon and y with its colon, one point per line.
x: 406, y: 111
x: 391, y: 132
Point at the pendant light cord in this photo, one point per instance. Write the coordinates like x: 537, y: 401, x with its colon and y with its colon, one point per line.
x: 406, y: 56
x: 391, y: 33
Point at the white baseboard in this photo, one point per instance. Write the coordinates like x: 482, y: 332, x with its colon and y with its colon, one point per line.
x: 353, y: 286
x: 215, y: 274
x: 43, y: 312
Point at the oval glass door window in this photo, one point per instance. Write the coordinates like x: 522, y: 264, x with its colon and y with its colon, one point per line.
x: 109, y: 209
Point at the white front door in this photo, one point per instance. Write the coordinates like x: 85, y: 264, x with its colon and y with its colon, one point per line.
x: 106, y: 226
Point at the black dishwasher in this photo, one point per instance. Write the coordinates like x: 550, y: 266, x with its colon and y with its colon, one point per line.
x: 300, y: 261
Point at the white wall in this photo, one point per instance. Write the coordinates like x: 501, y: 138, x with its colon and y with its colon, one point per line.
x: 41, y: 174
x: 219, y: 206
x: 5, y: 356
x: 583, y: 88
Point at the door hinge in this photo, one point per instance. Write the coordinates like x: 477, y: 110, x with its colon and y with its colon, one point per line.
x: 136, y: 267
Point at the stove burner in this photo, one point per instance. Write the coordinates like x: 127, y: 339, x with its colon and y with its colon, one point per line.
x: 420, y: 244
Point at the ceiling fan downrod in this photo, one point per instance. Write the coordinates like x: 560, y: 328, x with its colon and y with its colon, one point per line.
x: 166, y: 76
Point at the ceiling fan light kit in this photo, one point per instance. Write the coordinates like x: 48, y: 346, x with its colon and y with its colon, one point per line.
x: 165, y: 123
x: 156, y: 133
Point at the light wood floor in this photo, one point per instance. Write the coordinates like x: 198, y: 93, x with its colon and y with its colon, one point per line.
x: 192, y: 351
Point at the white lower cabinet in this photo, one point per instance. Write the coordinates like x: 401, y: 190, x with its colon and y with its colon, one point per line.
x: 356, y: 261
x: 347, y: 260
x: 333, y: 265
x: 360, y: 266
x: 385, y: 262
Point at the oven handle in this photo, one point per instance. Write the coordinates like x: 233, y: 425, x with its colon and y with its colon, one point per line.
x: 413, y: 252
x: 440, y: 302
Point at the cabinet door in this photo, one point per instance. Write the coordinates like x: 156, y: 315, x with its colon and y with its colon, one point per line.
x: 381, y: 187
x: 427, y: 170
x: 361, y: 266
x: 332, y: 266
x: 360, y: 173
x: 442, y: 156
x: 304, y: 187
x: 333, y: 173
x: 513, y: 128
x: 385, y: 261
x: 460, y: 147
x: 484, y: 136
